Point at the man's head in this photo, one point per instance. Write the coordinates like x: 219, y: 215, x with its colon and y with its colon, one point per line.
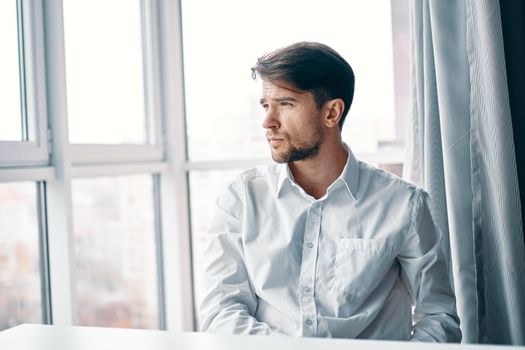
x: 307, y: 92
x: 310, y: 67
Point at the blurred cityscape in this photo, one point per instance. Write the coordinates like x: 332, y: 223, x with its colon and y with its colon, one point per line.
x: 20, y: 297
x: 115, y: 252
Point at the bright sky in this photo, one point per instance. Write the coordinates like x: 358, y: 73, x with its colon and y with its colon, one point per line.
x: 10, y: 125
x: 222, y: 40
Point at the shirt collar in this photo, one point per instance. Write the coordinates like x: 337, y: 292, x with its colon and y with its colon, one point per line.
x: 284, y: 175
x: 349, y: 175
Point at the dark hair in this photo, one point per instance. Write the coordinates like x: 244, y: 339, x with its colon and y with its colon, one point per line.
x: 313, y: 67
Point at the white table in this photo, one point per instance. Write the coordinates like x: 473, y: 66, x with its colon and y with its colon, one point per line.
x: 42, y: 337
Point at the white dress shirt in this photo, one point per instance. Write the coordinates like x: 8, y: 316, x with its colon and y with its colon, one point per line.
x: 351, y: 264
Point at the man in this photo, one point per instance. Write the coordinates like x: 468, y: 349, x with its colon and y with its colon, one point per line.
x: 321, y: 244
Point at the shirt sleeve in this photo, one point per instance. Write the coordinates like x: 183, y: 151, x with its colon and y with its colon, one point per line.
x: 228, y: 300
x: 425, y: 273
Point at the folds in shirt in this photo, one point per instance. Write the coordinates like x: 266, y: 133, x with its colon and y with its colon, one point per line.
x: 349, y: 264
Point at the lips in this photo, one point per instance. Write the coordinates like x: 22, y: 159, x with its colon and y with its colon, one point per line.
x: 275, y: 142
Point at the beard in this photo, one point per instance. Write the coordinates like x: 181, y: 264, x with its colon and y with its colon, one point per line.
x: 299, y: 152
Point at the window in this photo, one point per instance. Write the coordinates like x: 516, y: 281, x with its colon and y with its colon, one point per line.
x: 24, y: 295
x: 223, y: 115
x: 231, y: 115
x: 97, y: 208
x: 10, y: 106
x: 104, y: 71
x: 21, y: 294
x: 115, y: 251
x: 113, y: 136
x: 23, y: 136
x: 112, y: 81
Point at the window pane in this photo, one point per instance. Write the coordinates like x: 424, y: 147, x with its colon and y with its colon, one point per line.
x: 400, y: 33
x: 222, y: 43
x: 205, y: 187
x: 115, y: 251
x: 10, y: 109
x: 20, y: 291
x: 104, y: 68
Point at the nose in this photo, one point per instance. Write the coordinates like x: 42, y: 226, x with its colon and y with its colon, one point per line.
x: 271, y: 121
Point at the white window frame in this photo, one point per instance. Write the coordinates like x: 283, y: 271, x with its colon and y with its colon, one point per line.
x: 35, y: 151
x: 153, y: 150
x: 107, y: 154
x: 175, y: 188
x: 162, y: 158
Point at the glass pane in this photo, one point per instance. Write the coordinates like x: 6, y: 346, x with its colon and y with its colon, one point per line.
x: 104, y: 69
x: 20, y: 291
x: 205, y: 187
x: 400, y: 33
x: 222, y: 43
x: 10, y: 109
x: 115, y: 252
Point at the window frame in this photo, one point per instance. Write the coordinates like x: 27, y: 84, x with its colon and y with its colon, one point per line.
x: 34, y: 151
x: 41, y: 244
x: 72, y: 161
x: 165, y: 106
x: 112, y: 171
x: 45, y: 288
x: 154, y: 148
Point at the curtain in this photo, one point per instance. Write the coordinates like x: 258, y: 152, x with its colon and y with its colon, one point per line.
x: 461, y: 150
x: 513, y: 26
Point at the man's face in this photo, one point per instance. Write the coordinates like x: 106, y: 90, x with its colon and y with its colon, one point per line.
x: 293, y: 122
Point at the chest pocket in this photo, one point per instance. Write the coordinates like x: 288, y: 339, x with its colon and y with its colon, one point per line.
x: 360, y: 265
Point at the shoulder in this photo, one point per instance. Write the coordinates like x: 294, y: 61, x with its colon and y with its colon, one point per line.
x: 256, y: 173
x: 398, y: 198
x: 393, y: 191
x: 382, y: 179
x: 262, y: 175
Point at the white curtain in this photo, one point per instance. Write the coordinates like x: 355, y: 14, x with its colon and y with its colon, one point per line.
x: 461, y: 151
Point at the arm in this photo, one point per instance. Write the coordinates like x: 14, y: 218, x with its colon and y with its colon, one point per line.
x: 229, y: 301
x: 424, y: 270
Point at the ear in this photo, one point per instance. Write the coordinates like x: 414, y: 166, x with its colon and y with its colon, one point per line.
x: 334, y: 109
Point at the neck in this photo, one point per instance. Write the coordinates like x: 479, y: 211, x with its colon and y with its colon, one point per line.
x: 316, y: 174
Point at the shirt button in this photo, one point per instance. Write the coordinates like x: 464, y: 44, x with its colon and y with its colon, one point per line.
x: 307, y: 289
x: 310, y: 245
x: 309, y: 322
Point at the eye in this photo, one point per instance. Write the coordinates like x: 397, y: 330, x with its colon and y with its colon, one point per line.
x: 286, y: 104
x: 265, y: 106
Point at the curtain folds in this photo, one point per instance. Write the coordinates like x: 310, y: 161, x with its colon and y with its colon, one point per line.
x: 461, y: 150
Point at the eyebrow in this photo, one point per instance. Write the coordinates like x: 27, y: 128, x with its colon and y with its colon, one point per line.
x: 279, y: 99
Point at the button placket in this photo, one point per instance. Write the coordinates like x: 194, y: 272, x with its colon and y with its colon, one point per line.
x: 308, y: 268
